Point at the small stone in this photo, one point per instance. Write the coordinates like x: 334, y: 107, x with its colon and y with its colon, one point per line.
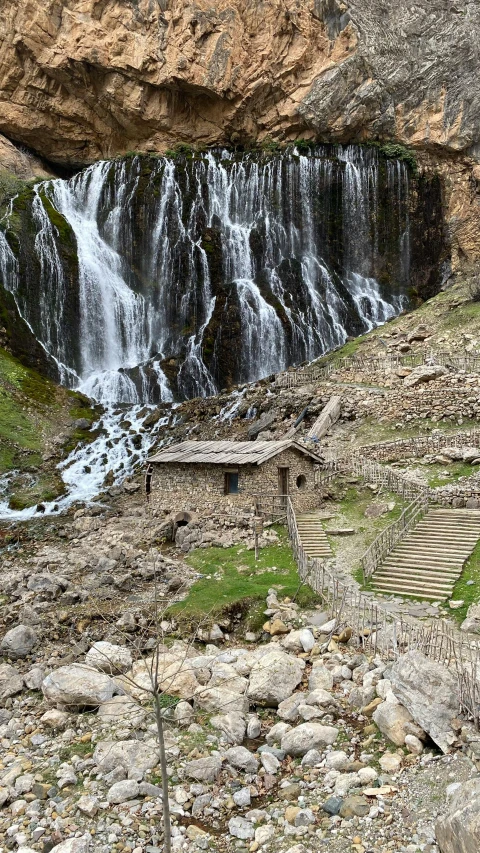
x: 120, y: 792
x: 390, y: 762
x: 278, y: 627
x: 354, y: 806
x: 413, y: 744
x: 88, y: 805
x: 332, y: 806
x: 269, y: 763
x: 241, y: 828
x: 242, y: 797
x: 291, y: 813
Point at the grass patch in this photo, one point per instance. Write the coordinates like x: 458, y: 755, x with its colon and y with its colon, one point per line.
x: 33, y: 410
x: 233, y: 577
x: 437, y: 474
x: 469, y: 594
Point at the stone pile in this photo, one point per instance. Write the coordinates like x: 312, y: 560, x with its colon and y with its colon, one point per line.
x: 284, y: 745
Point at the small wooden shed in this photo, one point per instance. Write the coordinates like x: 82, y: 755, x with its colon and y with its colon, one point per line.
x: 213, y: 474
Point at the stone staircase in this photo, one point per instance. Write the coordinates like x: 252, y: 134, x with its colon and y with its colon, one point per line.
x: 312, y: 535
x: 430, y: 559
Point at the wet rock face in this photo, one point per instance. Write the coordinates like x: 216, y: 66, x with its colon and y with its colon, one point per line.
x: 200, y: 308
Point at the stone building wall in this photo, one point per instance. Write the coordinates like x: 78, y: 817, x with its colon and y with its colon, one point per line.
x: 199, y: 488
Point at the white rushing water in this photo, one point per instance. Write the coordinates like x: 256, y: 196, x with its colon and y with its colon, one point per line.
x: 85, y: 468
x: 217, y: 269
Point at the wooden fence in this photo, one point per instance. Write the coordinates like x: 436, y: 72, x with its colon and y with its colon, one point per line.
x: 389, y: 538
x: 386, y: 634
x: 319, y: 372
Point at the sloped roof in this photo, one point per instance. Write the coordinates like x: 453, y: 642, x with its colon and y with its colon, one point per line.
x: 229, y: 452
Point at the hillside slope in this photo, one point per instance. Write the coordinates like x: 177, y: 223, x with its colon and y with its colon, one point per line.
x: 40, y: 423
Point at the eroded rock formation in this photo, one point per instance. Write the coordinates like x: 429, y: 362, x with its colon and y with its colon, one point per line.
x: 88, y: 79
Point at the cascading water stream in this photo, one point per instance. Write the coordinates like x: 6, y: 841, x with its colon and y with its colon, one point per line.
x: 151, y: 279
x: 178, y: 259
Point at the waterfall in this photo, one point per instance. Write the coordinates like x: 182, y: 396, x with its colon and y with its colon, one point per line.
x: 160, y: 278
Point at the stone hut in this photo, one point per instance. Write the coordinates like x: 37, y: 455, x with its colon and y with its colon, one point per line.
x: 209, y: 477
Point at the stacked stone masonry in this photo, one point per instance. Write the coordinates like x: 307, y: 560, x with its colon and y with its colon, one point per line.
x: 200, y: 488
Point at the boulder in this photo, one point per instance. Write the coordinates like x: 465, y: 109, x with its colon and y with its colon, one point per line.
x: 183, y: 713
x: 391, y: 720
x: 55, y: 719
x: 34, y: 677
x: 320, y: 677
x: 274, y: 677
x: 125, y: 753
x: 242, y: 759
x: 472, y: 621
x: 121, y: 707
x: 429, y: 691
x: 18, y: 642
x: 120, y: 792
x: 298, y: 641
x: 424, y: 373
x: 212, y: 699
x: 204, y: 769
x: 107, y: 657
x: 78, y: 686
x: 458, y: 829
x: 11, y: 682
x: 308, y: 736
x: 232, y: 727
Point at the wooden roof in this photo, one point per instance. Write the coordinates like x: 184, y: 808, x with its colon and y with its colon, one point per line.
x: 229, y: 452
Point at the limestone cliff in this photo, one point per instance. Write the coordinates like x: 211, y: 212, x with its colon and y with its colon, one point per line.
x: 86, y: 79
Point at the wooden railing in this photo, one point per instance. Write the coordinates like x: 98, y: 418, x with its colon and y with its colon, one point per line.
x: 383, y: 633
x: 389, y: 538
x: 273, y: 507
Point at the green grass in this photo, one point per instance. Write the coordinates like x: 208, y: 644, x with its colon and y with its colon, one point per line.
x: 468, y: 594
x: 232, y: 577
x: 436, y: 477
x: 33, y: 410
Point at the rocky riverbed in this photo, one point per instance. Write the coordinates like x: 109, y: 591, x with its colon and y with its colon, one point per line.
x: 302, y: 742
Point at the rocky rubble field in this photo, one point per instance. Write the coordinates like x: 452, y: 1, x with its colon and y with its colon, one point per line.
x: 305, y: 742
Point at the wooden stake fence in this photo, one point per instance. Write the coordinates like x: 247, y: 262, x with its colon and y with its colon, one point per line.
x: 388, y: 635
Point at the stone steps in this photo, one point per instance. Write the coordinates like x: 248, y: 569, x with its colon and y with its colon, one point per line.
x: 312, y: 535
x: 429, y: 561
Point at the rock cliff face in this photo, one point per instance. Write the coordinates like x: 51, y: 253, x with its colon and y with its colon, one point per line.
x: 87, y: 79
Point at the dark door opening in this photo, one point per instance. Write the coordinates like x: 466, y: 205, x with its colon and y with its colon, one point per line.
x: 283, y: 483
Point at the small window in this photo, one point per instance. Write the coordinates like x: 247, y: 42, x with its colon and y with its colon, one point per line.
x: 301, y: 481
x: 231, y: 482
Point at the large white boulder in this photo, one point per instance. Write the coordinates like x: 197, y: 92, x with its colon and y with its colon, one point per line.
x: 274, y: 677
x: 78, y: 686
x: 213, y: 699
x: 429, y: 691
x: 424, y: 373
